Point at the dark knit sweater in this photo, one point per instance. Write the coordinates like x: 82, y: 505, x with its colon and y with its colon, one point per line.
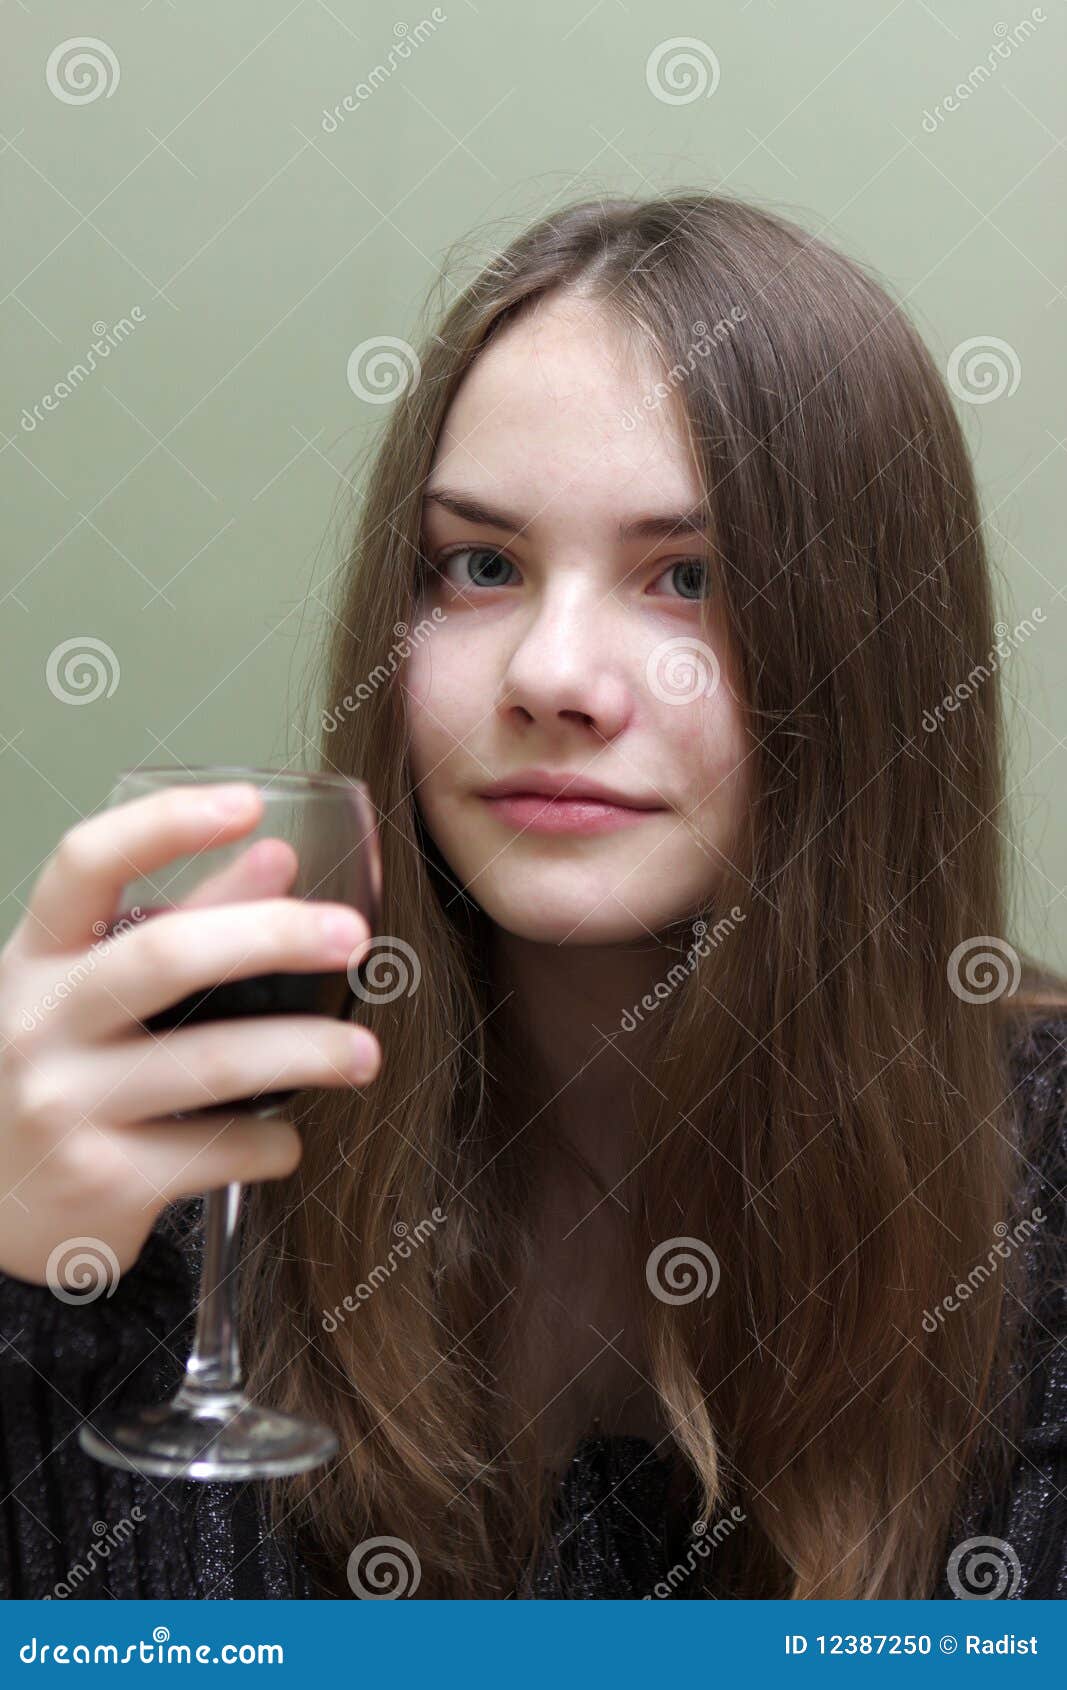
x: 70, y: 1526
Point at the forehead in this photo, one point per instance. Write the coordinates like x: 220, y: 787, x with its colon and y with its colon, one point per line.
x: 562, y: 407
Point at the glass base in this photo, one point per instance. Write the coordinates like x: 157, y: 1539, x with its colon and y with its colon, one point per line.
x: 208, y: 1435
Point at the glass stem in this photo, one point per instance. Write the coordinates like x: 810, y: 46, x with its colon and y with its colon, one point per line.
x: 214, y: 1364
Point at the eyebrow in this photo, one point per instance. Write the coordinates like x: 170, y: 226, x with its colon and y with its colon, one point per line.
x: 657, y: 526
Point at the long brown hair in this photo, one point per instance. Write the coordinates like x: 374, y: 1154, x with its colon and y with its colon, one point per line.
x: 830, y: 1110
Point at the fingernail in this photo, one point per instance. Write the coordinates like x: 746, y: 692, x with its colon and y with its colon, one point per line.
x: 363, y: 1061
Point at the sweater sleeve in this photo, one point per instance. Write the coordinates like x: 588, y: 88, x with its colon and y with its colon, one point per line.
x: 1016, y: 1546
x: 69, y: 1524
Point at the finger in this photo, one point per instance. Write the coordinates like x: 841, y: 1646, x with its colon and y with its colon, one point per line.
x: 216, y: 1062
x: 266, y: 870
x: 183, y: 1158
x: 77, y: 892
x: 154, y: 965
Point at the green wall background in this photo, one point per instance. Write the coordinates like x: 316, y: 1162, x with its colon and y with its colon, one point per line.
x: 186, y: 502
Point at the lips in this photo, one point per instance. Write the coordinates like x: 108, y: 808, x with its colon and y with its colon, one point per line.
x: 558, y: 801
x: 567, y: 789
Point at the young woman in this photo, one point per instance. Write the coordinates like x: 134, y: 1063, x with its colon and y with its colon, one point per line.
x: 739, y: 1118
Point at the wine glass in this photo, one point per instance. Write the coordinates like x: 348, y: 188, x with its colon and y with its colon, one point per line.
x: 209, y: 1429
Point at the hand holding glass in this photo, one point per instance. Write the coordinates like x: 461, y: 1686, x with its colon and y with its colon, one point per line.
x: 326, y: 849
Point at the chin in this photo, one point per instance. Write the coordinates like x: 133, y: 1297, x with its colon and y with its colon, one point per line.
x: 551, y: 917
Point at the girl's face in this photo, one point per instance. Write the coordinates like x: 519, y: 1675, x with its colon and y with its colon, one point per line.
x: 568, y: 639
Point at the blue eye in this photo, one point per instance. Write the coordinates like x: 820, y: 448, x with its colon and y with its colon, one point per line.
x: 691, y: 578
x: 487, y: 575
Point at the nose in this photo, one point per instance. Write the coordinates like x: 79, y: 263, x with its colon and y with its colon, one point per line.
x: 565, y: 664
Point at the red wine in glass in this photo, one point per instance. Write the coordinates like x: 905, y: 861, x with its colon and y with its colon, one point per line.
x: 328, y: 992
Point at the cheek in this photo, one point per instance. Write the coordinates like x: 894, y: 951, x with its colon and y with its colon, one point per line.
x: 418, y: 677
x: 706, y: 742
x: 441, y: 702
